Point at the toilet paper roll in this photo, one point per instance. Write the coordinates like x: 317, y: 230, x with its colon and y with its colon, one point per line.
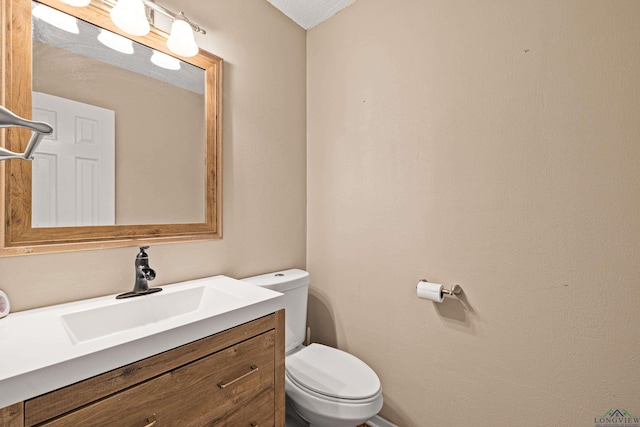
x: 430, y: 291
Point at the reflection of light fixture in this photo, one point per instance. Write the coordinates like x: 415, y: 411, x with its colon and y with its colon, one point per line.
x: 181, y: 41
x: 130, y: 17
x: 165, y: 61
x: 77, y: 3
x: 115, y: 41
x: 56, y: 18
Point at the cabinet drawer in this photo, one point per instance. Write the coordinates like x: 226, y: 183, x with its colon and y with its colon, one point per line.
x: 207, y: 392
x: 258, y: 414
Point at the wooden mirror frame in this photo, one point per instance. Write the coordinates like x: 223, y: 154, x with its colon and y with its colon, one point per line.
x: 19, y: 237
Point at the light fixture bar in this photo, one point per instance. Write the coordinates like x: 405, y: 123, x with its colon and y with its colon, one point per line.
x: 173, y: 15
x: 163, y: 10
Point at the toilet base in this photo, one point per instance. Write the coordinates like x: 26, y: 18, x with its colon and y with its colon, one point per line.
x: 301, y: 416
x: 294, y: 419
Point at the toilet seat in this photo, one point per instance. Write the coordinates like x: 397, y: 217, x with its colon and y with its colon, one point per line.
x: 332, y: 374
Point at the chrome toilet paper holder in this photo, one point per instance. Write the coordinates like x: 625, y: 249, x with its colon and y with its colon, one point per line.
x: 455, y: 289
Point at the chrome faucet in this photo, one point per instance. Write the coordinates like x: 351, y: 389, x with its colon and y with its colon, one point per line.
x: 144, y: 273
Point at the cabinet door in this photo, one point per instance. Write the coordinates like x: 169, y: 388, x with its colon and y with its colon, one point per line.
x: 206, y: 392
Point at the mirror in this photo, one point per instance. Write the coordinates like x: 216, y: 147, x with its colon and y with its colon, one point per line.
x: 158, y: 171
x: 110, y: 110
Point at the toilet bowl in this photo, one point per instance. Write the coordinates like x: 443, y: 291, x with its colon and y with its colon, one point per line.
x: 329, y: 387
x: 325, y: 386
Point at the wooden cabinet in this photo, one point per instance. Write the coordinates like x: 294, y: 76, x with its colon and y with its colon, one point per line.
x: 234, y: 378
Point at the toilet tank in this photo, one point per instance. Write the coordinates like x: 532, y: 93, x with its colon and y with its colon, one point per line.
x: 294, y: 284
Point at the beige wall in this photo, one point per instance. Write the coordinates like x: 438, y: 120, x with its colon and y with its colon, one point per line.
x: 494, y: 144
x: 264, y: 170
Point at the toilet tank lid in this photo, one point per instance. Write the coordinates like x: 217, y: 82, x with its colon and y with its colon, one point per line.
x: 280, y: 280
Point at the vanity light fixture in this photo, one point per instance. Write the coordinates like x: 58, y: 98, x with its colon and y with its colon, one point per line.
x: 130, y: 16
x: 115, y: 41
x: 181, y: 40
x: 56, y: 18
x: 165, y: 61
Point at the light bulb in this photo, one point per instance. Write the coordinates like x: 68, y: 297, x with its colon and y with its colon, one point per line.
x: 115, y: 41
x: 165, y: 61
x: 56, y: 18
x: 181, y: 41
x: 77, y: 3
x: 130, y: 17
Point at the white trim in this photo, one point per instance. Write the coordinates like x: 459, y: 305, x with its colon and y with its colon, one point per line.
x: 378, y: 421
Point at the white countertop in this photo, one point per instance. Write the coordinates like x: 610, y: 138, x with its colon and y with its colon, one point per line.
x: 38, y: 354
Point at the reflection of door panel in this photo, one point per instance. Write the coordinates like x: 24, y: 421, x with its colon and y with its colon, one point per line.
x: 74, y: 168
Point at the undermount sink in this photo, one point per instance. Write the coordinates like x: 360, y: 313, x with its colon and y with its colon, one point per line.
x: 98, y: 322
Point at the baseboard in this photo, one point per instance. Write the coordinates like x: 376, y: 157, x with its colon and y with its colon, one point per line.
x: 378, y: 421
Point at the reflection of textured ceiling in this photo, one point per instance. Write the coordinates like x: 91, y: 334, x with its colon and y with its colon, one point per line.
x: 309, y: 13
x: 86, y: 44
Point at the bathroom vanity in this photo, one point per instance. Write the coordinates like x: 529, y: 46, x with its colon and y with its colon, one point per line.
x: 234, y: 377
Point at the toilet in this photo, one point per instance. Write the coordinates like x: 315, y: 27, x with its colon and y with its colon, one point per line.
x: 325, y: 386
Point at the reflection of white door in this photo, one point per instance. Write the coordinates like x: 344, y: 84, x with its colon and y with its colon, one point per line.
x: 74, y: 168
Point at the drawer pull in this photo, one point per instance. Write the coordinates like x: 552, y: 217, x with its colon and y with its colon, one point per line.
x: 254, y: 368
x: 254, y: 424
x: 151, y: 421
